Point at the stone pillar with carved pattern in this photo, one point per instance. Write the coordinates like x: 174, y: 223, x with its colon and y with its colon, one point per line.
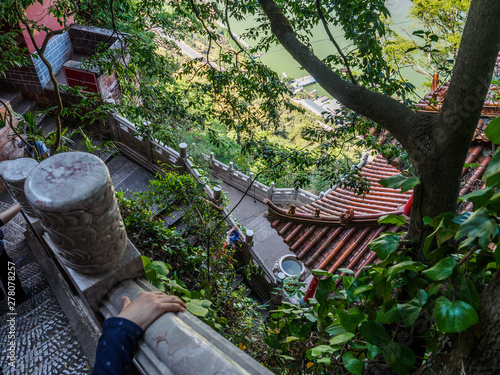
x: 73, y: 196
x: 14, y: 173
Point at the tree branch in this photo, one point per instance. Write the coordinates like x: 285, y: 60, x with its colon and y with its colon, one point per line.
x: 380, y: 108
x: 332, y: 39
x: 474, y: 66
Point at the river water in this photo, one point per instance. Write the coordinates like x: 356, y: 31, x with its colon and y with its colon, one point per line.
x: 278, y: 59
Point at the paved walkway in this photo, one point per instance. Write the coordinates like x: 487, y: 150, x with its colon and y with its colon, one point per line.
x: 250, y: 213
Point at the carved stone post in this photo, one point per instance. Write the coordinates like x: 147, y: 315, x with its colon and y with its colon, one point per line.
x: 73, y: 196
x: 245, y: 247
x: 249, y: 237
x: 14, y: 174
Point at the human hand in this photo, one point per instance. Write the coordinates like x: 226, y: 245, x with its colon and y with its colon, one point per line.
x: 148, y: 307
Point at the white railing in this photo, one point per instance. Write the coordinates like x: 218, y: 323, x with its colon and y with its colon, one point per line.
x: 258, y: 190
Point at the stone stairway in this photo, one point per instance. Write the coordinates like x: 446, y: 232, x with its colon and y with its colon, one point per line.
x: 45, y: 341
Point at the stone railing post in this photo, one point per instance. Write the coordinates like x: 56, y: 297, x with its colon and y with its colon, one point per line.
x: 183, y: 155
x: 231, y: 170
x: 113, y: 128
x: 73, y: 196
x: 247, y: 243
x: 296, y: 191
x: 249, y: 237
x: 217, y: 196
x: 270, y: 192
x: 250, y: 179
x: 15, y: 174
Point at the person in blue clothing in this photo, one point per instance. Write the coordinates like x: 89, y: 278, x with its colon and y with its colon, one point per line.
x: 30, y: 146
x: 118, y: 342
x: 232, y: 235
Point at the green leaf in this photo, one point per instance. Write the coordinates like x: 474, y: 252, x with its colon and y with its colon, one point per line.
x: 345, y: 270
x: 493, y: 166
x: 350, y: 320
x: 198, y: 307
x: 492, y: 131
x: 372, y: 351
x: 454, y: 316
x: 322, y: 350
x: 335, y: 330
x: 404, y: 266
x: 479, y: 198
x: 352, y: 364
x: 159, y: 285
x: 479, y: 225
x: 382, y: 287
x: 342, y: 338
x: 467, y: 292
x: 441, y: 270
x: 393, y: 182
x: 411, y: 310
x: 374, y: 333
x: 388, y: 313
x: 361, y: 289
x: 400, y: 358
x: 160, y: 267
x: 410, y: 184
x: 318, y: 272
x: 385, y: 244
x: 392, y: 219
x: 291, y: 338
x: 199, y: 186
x: 145, y: 260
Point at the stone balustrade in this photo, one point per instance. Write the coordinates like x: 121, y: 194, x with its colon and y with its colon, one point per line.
x: 256, y: 189
x: 73, y: 196
x: 133, y: 145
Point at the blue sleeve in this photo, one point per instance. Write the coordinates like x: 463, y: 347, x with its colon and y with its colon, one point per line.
x: 116, y: 347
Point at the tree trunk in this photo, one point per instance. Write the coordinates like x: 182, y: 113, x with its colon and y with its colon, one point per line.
x: 474, y: 351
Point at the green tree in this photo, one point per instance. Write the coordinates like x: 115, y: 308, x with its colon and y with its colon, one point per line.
x: 430, y: 46
x: 436, y: 144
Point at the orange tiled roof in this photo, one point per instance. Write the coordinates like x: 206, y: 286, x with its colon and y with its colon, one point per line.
x: 324, y: 236
x: 334, y: 232
x: 433, y: 101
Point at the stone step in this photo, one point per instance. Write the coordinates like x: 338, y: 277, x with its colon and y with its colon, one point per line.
x: 47, y: 124
x: 45, y: 344
x: 24, y: 105
x: 11, y: 96
x: 173, y: 218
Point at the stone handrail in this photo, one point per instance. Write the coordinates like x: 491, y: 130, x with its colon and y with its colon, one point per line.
x: 82, y: 230
x: 258, y: 190
x: 126, y: 133
x: 180, y: 343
